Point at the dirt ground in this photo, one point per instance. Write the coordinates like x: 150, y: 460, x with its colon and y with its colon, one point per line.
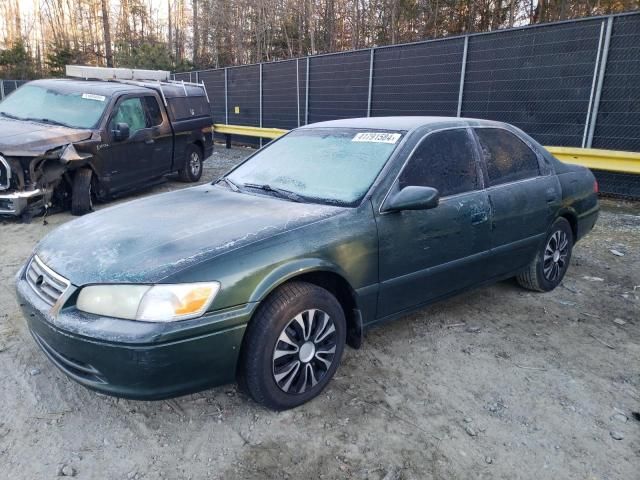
x: 499, y: 383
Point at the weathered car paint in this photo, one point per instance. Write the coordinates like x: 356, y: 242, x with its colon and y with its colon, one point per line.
x: 143, y: 361
x: 26, y: 139
x: 171, y: 233
x: 391, y: 262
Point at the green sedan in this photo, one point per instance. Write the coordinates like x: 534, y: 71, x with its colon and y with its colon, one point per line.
x: 264, y: 275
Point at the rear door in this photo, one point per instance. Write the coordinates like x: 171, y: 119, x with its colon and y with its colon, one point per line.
x: 160, y: 141
x: 426, y: 254
x: 523, y: 198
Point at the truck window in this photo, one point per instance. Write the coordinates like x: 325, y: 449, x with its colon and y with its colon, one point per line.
x: 131, y: 112
x: 153, y: 111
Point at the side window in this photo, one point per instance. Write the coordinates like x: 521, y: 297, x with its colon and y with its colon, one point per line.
x: 444, y: 160
x: 130, y: 111
x: 153, y: 111
x: 507, y: 157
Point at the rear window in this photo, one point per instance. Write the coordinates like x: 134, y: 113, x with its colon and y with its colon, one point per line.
x: 153, y: 111
x: 184, y: 108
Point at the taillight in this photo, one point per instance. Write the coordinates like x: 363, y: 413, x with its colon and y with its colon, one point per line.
x: 596, y: 188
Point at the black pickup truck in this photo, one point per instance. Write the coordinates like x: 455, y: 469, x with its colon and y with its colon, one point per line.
x: 68, y: 142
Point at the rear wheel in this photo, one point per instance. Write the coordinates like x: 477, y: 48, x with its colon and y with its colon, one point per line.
x: 549, y: 266
x: 192, y: 169
x: 292, y: 346
x: 81, y: 192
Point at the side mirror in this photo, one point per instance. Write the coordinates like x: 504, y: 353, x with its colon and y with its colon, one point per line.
x: 413, y: 198
x: 121, y: 132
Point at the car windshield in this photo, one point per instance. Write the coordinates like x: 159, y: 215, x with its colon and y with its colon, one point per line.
x: 71, y: 109
x: 327, y: 165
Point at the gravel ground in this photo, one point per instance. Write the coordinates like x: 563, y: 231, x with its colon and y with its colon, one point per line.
x: 496, y: 383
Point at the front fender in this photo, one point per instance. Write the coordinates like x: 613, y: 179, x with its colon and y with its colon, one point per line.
x: 285, y: 272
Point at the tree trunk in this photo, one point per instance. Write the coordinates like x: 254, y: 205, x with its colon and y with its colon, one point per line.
x: 107, y: 33
x: 196, y: 35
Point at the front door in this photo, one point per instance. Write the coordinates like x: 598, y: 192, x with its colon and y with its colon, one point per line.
x: 427, y: 254
x: 130, y: 160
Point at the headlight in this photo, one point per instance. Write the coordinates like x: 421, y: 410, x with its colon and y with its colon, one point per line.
x: 150, y: 303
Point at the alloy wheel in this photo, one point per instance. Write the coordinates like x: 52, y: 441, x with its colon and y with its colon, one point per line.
x: 555, y: 255
x: 304, y: 351
x: 194, y: 164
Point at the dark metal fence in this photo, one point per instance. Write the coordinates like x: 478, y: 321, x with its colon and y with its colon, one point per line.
x: 573, y: 83
x: 8, y: 86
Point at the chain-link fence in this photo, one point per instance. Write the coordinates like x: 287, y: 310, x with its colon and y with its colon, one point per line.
x: 8, y: 86
x: 573, y: 83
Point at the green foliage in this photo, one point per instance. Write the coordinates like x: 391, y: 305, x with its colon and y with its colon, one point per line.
x: 147, y: 55
x: 60, y: 56
x: 16, y: 63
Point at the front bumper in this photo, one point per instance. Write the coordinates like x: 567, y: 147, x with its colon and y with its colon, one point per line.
x: 15, y: 203
x: 137, y: 360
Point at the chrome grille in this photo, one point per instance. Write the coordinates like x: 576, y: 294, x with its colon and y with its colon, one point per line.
x: 47, y: 284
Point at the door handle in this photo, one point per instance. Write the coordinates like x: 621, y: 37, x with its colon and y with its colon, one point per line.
x: 149, y: 141
x: 479, y: 217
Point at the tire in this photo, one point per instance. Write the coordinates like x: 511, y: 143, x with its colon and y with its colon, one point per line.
x: 192, y: 169
x: 267, y: 369
x: 548, y: 268
x: 81, y: 192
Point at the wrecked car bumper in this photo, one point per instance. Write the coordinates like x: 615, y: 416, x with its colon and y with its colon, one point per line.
x: 15, y: 203
x: 137, y: 360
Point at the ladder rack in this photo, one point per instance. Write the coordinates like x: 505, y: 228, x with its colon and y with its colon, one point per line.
x: 132, y: 76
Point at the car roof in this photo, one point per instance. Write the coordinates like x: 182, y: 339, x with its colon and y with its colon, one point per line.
x: 97, y: 87
x: 403, y: 123
x: 108, y: 88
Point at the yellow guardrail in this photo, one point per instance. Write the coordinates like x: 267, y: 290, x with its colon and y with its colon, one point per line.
x: 248, y: 131
x: 596, y: 159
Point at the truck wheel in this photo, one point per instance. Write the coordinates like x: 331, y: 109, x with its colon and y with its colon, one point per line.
x: 81, y: 194
x: 292, y: 346
x: 192, y: 170
x: 547, y: 269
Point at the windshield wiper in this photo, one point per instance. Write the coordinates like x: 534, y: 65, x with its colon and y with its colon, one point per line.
x: 231, y: 185
x: 47, y: 120
x: 281, y: 192
x: 8, y: 115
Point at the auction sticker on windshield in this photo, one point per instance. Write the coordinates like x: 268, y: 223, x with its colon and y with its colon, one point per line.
x: 376, y: 137
x: 91, y: 96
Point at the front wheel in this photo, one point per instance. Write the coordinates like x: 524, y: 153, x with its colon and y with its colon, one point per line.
x: 292, y: 346
x: 548, y: 268
x: 81, y: 194
x: 192, y: 169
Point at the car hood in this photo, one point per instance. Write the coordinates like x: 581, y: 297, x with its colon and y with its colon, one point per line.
x: 25, y: 138
x: 149, y: 239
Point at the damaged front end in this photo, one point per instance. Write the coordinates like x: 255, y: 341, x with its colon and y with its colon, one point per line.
x: 31, y: 183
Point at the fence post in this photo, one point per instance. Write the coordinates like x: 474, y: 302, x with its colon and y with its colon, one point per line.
x: 298, y: 87
x: 370, y: 82
x: 306, y: 96
x: 226, y: 97
x: 593, y: 87
x: 260, y: 100
x: 463, y: 71
x: 1, y: 89
x: 603, y: 68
